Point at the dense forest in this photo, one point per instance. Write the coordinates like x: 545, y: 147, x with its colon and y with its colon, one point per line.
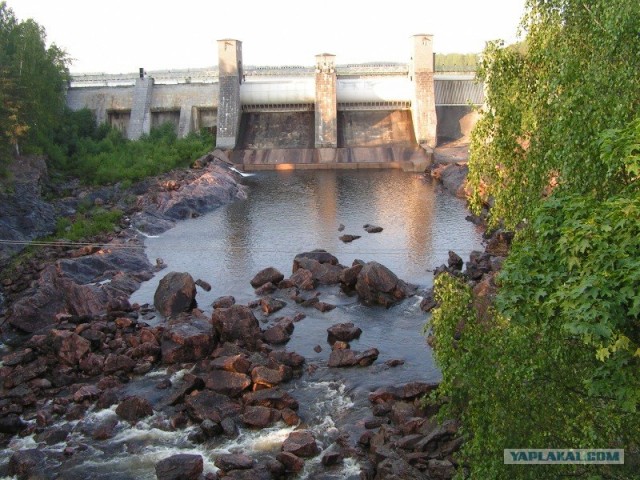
x: 555, y: 362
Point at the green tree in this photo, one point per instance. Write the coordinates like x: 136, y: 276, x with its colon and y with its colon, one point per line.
x: 556, y: 362
x: 33, y: 78
x: 548, y: 103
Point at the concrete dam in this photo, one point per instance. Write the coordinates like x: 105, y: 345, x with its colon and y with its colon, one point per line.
x: 322, y: 116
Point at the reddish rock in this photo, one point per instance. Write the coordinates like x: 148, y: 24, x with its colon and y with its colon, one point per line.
x: 454, y: 261
x: 187, y: 341
x: 323, y: 273
x: 349, y: 276
x: 269, y: 274
x: 180, y: 467
x: 211, y: 405
x: 176, y: 293
x: 302, y: 279
x: 227, y: 383
x: 377, y: 285
x: 19, y: 356
x: 92, y: 364
x: 291, y: 462
x: 234, y: 363
x: 290, y: 359
x: 269, y: 377
x: 290, y: 417
x: 69, y: 347
x: 320, y: 256
x: 114, y: 363
x: 105, y: 429
x: 224, y: 302
x: 27, y: 464
x: 270, y: 305
x: 441, y: 469
x: 266, y: 289
x: 301, y: 443
x: 323, y: 307
x: 233, y: 461
x: 279, y: 333
x: 87, y: 392
x: 206, y: 286
x: 272, y: 398
x: 351, y: 358
x: 344, y: 332
x: 372, y: 228
x: 236, y: 324
x: 332, y: 458
x: 23, y: 373
x: 189, y: 384
x: 134, y: 408
x: 258, y: 416
x: 348, y: 238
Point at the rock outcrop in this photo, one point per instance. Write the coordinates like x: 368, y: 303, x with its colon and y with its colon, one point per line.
x: 377, y: 285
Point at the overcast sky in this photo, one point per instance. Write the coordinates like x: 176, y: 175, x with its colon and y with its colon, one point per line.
x: 116, y: 36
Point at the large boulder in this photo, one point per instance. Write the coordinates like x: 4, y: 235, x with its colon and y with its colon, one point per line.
x: 266, y: 275
x: 377, y: 285
x: 344, y: 332
x: 182, y: 466
x: 227, y: 383
x: 188, y: 340
x: 236, y: 324
x: 208, y: 405
x: 320, y: 256
x: 301, y: 443
x: 326, y: 273
x: 134, y: 408
x: 176, y: 293
x: 341, y: 358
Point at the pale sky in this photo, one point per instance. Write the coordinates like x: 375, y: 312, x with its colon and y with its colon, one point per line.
x: 117, y: 36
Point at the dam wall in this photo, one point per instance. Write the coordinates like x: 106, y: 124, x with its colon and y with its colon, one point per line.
x: 344, y: 112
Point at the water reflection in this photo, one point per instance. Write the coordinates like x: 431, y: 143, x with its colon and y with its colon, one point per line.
x: 294, y: 211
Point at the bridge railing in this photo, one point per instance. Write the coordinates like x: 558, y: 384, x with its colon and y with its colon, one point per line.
x: 210, y: 75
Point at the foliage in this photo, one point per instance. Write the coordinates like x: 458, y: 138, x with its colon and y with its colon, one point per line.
x: 89, y: 224
x: 33, y: 78
x: 520, y: 383
x: 100, y: 155
x: 557, y: 154
x: 456, y: 62
x: 548, y: 103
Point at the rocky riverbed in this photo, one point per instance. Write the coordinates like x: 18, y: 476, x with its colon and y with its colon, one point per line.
x: 89, y: 367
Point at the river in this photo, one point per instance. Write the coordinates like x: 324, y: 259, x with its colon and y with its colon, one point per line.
x: 287, y: 213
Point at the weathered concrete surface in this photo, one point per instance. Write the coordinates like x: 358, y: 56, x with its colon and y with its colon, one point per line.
x: 351, y: 158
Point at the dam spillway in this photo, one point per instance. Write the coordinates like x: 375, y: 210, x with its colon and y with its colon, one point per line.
x: 326, y: 106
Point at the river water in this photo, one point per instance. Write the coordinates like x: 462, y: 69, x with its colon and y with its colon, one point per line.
x: 287, y: 213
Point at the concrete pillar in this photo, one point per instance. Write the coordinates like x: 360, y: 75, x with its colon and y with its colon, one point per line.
x: 185, y: 125
x: 230, y: 77
x: 140, y: 121
x: 326, y: 103
x: 423, y: 104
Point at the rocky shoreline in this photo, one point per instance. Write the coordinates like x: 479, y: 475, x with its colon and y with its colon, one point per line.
x: 86, y: 343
